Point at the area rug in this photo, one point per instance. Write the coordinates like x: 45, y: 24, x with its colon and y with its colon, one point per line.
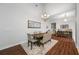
x: 36, y: 50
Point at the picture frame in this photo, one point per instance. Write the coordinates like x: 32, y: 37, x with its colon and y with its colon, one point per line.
x: 34, y: 24
x: 64, y: 26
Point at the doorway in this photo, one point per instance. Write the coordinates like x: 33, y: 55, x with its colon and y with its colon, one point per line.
x: 53, y: 27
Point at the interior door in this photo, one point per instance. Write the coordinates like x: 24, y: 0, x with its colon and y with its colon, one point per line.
x: 53, y: 27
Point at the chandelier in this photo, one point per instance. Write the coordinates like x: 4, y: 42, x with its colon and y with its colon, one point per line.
x: 44, y: 16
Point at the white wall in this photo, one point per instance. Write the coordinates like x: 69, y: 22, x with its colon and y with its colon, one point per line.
x: 77, y: 21
x: 13, y: 22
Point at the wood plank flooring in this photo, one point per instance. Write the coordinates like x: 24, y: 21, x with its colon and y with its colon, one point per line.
x: 16, y: 50
x: 65, y: 46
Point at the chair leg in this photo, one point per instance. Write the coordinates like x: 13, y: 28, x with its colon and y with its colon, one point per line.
x: 28, y: 43
x: 50, y: 40
x: 31, y: 45
x: 43, y: 45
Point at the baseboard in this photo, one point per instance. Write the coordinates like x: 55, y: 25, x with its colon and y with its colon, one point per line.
x: 12, y: 45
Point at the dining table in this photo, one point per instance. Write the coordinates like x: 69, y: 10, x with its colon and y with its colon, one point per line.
x: 38, y: 37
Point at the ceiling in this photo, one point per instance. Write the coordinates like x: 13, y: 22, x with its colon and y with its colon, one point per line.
x: 55, y: 8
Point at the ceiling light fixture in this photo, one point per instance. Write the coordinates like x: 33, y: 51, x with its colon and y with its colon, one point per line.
x: 45, y: 16
x: 65, y: 20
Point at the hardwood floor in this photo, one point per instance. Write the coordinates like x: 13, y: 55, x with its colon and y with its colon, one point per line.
x: 16, y: 50
x: 65, y: 46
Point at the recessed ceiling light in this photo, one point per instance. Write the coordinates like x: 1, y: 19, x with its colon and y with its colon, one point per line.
x: 65, y: 20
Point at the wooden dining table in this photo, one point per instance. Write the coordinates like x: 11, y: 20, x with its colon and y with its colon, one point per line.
x: 38, y: 37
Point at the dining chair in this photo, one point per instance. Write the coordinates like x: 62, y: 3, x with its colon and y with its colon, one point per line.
x: 31, y: 40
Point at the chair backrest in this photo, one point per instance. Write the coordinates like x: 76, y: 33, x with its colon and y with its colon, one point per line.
x: 30, y: 37
x: 49, y: 32
x: 47, y: 36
